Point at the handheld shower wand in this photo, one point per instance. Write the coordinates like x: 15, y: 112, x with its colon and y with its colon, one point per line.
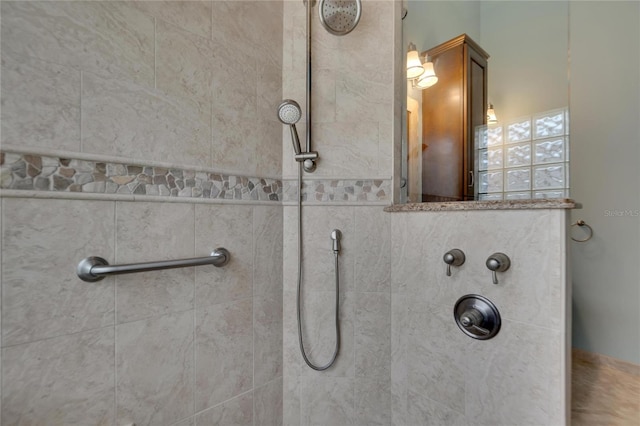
x: 289, y: 113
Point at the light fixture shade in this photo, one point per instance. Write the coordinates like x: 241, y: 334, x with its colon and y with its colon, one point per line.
x: 491, y: 115
x: 414, y: 66
x: 428, y: 78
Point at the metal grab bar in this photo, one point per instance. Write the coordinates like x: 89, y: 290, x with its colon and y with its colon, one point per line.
x: 93, y: 268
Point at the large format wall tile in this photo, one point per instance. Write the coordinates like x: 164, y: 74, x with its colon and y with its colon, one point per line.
x: 108, y: 38
x: 372, y: 401
x: 327, y: 401
x: 435, y: 358
x: 319, y: 333
x: 42, y: 242
x: 373, y: 250
x: 230, y: 227
x: 184, y: 62
x: 267, y: 403
x: 515, y: 371
x: 237, y: 412
x: 373, y: 335
x: 155, y: 371
x: 150, y: 232
x: 127, y: 120
x: 193, y: 16
x: 318, y: 265
x: 267, y: 251
x: 224, y: 352
x: 40, y: 103
x: 267, y: 339
x: 64, y: 380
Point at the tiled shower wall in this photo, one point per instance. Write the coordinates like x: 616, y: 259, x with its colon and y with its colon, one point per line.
x: 125, y: 87
x: 441, y: 376
x: 352, y: 118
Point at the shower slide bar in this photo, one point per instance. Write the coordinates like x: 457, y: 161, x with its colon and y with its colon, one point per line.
x: 93, y: 268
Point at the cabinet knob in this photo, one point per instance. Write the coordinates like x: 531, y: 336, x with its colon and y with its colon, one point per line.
x: 454, y: 257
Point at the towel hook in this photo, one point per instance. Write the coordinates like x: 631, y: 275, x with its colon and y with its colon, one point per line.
x: 582, y: 223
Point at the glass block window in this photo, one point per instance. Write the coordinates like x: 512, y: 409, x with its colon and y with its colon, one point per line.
x: 519, y: 130
x: 526, y: 158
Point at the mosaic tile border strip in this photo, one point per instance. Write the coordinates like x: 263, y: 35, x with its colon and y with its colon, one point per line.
x: 34, y: 172
x: 339, y: 190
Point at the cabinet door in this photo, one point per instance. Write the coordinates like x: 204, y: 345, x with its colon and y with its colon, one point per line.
x: 443, y: 129
x: 475, y: 114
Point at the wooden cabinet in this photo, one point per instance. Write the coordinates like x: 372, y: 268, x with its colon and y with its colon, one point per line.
x: 451, y: 110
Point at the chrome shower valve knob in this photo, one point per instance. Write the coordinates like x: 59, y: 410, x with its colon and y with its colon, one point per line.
x: 498, y: 262
x: 454, y: 257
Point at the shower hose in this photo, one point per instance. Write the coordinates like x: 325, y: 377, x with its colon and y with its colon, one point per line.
x: 337, y: 280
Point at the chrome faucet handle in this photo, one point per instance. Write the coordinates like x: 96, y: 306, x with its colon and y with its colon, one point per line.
x: 454, y: 257
x: 498, y: 262
x: 473, y: 318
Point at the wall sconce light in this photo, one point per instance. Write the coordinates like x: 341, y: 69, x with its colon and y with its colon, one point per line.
x: 491, y: 115
x: 428, y: 78
x: 414, y: 66
x: 421, y: 75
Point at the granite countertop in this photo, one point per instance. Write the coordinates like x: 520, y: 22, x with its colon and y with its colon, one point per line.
x: 561, y: 203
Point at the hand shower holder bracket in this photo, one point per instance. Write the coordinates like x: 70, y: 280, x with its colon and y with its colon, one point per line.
x: 311, y: 155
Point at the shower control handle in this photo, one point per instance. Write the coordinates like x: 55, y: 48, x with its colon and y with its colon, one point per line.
x: 473, y: 318
x: 498, y: 262
x: 454, y: 257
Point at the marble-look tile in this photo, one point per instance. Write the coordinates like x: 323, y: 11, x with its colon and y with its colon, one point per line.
x: 267, y: 339
x: 347, y: 149
x: 267, y: 251
x: 267, y: 404
x: 192, y: 15
x: 290, y: 248
x: 399, y: 386
x: 46, y: 299
x: 184, y: 62
x: 149, y: 232
x: 373, y: 335
x: 327, y: 401
x: 373, y: 33
x: 291, y: 400
x: 65, y: 380
x: 224, y: 352
x: 107, y: 38
x: 504, y: 383
x: 292, y: 359
x: 373, y: 250
x: 155, y: 371
x: 436, y: 358
x: 318, y: 258
x: 319, y: 333
x: 236, y: 412
x: 191, y: 421
x: 372, y: 401
x: 124, y: 119
x: 40, y: 104
x: 230, y: 227
x: 354, y: 95
x: 411, y: 236
x: 422, y: 410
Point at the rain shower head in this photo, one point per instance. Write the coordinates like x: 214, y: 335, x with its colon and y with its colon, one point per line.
x: 289, y: 113
x: 339, y: 17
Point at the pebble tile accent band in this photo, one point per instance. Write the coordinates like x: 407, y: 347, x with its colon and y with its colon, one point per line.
x: 32, y: 172
x: 347, y: 190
